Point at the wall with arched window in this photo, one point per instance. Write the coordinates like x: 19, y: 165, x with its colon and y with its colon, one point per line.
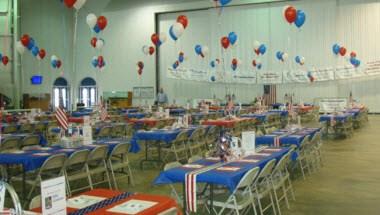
x: 61, y: 93
x: 88, y: 92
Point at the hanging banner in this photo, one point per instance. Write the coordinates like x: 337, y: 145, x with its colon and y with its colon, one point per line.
x: 244, y: 78
x: 349, y: 71
x: 373, y: 68
x: 269, y: 77
x: 326, y: 74
x: 299, y: 76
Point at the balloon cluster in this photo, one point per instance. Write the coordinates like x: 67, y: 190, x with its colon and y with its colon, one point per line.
x: 140, y: 67
x: 181, y: 58
x: 310, y: 76
x: 97, y: 24
x: 353, y: 60
x: 97, y: 43
x: 214, y: 63
x: 158, y: 39
x: 55, y: 62
x: 337, y: 49
x: 282, y: 56
x: 27, y: 42
x: 300, y: 60
x: 98, y: 62
x: 234, y: 64
x: 231, y: 39
x: 201, y: 50
x: 292, y: 15
x: 257, y: 64
x: 259, y: 48
x: 177, y: 29
x: 148, y: 50
x: 4, y: 59
x: 77, y: 4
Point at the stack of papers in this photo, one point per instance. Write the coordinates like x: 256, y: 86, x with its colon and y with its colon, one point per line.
x: 83, y: 201
x: 132, y: 206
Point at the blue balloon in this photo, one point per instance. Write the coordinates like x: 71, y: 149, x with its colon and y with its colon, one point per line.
x: 224, y: 2
x: 97, y: 29
x: 175, y: 66
x: 259, y: 66
x: 262, y: 49
x: 172, y: 35
x: 279, y: 55
x: 94, y: 62
x: 357, y: 63
x: 35, y: 51
x: 213, y: 79
x: 198, y: 49
x: 336, y: 49
x: 31, y: 44
x: 232, y: 37
x: 1, y: 56
x: 298, y: 59
x: 181, y: 58
x: 54, y: 63
x: 212, y: 64
x: 234, y: 67
x: 300, y: 20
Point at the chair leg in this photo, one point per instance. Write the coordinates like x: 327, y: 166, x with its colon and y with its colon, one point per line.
x: 113, y: 175
x: 301, y: 167
x: 107, y: 174
x: 89, y: 177
x: 285, y: 195
x: 272, y: 204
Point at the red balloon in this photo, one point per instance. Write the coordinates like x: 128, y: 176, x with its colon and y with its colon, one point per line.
x: 290, y: 14
x: 42, y: 53
x: 353, y: 54
x: 342, y: 51
x: 5, y: 60
x: 59, y: 63
x: 140, y: 71
x: 151, y: 50
x: 257, y: 51
x: 234, y: 61
x: 183, y: 20
x: 254, y: 63
x: 155, y: 39
x: 102, y: 22
x: 225, y: 42
x: 93, y: 42
x: 70, y: 3
x: 100, y: 61
x: 140, y: 64
x: 25, y: 39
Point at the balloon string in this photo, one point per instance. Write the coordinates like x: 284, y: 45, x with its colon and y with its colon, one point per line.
x: 74, y: 44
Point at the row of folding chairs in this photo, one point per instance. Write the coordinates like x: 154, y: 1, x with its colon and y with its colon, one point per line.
x: 82, y: 169
x: 10, y: 144
x: 39, y: 127
x: 309, y: 158
x: 183, y: 147
x: 272, y: 183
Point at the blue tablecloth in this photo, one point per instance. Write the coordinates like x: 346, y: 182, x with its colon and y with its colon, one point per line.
x: 293, y: 138
x: 135, y: 115
x: 339, y: 118
x: 80, y: 113
x: 32, y: 161
x: 355, y: 112
x: 283, y: 113
x: 230, y: 179
x: 277, y: 105
x: 132, y: 110
x: 43, y: 141
x: 164, y: 135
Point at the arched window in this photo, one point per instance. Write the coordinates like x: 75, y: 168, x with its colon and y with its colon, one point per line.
x: 61, y: 93
x: 88, y: 92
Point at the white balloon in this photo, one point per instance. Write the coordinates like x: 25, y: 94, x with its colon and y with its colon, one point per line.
x: 256, y: 44
x: 53, y: 57
x: 38, y: 57
x: 285, y: 56
x: 162, y: 37
x: 99, y: 44
x: 302, y: 60
x: 91, y: 20
x: 20, y: 47
x: 205, y: 50
x: 145, y: 50
x: 178, y: 29
x: 79, y: 4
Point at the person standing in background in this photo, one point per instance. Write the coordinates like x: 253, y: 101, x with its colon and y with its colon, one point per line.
x: 162, y: 98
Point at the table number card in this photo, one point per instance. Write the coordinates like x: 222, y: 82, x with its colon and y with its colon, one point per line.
x: 133, y: 206
x: 87, y: 135
x: 248, y: 141
x: 167, y: 113
x: 53, y: 196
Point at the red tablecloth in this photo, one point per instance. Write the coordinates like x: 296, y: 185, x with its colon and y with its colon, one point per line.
x: 76, y: 119
x: 164, y: 203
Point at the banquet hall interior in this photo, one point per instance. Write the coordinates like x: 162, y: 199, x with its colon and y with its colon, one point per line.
x: 170, y: 107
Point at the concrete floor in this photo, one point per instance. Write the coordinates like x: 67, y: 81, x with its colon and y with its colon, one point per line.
x: 349, y: 182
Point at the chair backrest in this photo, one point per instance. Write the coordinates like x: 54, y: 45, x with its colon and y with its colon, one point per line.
x: 248, y: 178
x: 120, y: 149
x: 105, y: 131
x: 39, y: 127
x: 305, y: 141
x: 172, y: 165
x: 78, y: 158
x: 26, y: 128
x: 129, y: 130
x: 30, y: 140
x: 283, y: 162
x: 181, y: 137
x: 267, y: 169
x: 98, y: 154
x: 316, y: 138
x: 194, y: 159
x: 197, y: 134
x: 9, y: 144
x: 35, y: 202
x: 53, y: 166
x: 119, y: 129
x: 10, y: 129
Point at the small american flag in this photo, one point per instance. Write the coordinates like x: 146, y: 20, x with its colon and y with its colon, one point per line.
x: 60, y: 115
x: 103, y: 111
x: 270, y: 94
x: 277, y: 141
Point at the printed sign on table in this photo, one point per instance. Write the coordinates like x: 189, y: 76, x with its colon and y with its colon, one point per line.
x: 332, y: 105
x: 248, y: 141
x: 53, y: 196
